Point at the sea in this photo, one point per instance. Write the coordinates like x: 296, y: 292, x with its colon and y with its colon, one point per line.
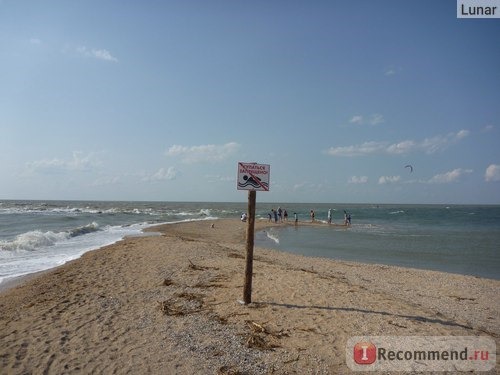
x: 463, y: 239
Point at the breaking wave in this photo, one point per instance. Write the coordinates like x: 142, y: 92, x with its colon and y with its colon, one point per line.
x: 33, y: 240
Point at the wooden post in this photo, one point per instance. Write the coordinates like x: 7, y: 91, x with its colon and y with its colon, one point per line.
x: 247, y: 287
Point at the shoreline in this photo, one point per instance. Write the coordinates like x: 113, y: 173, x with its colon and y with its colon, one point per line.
x: 148, y: 231
x: 261, y: 225
x: 168, y: 304
x: 14, y: 281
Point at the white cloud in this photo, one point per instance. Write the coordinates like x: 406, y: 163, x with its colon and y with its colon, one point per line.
x: 392, y: 70
x: 438, y: 143
x: 366, y: 148
x: 403, y: 147
x: 219, y: 178
x: 388, y: 179
x: 461, y: 134
x: 79, y: 162
x: 163, y: 174
x: 106, y: 180
x: 299, y: 186
x: 203, y: 153
x: 356, y: 120
x: 103, y: 54
x: 492, y: 173
x: 448, y: 177
x: 100, y: 54
x: 428, y: 146
x: 358, y: 180
x: 374, y: 119
x: 35, y: 41
x: 308, y: 187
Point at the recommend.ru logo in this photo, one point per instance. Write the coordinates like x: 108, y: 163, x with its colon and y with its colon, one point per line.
x: 421, y: 353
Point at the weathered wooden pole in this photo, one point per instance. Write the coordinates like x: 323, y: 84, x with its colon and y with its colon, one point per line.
x: 247, y: 287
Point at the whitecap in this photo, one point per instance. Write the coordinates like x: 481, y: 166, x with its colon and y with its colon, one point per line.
x: 33, y: 240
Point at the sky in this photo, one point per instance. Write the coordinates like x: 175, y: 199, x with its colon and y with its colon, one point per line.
x: 160, y: 100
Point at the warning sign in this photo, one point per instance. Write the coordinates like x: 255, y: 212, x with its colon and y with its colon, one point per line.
x: 253, y: 176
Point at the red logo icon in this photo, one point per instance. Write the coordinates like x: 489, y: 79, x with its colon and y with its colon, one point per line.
x: 365, y: 353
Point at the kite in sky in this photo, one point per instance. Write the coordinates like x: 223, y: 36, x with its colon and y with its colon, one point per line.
x: 409, y: 166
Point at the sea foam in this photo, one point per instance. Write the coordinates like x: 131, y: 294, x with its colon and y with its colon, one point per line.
x: 33, y: 240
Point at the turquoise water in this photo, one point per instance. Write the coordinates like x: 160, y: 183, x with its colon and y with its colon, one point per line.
x: 37, y: 235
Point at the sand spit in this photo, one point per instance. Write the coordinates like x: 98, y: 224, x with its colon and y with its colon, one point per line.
x: 168, y: 304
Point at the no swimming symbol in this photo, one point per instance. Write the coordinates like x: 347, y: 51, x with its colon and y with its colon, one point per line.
x: 253, y: 176
x: 251, y: 183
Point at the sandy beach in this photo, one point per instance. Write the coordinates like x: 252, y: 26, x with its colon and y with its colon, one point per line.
x: 168, y: 304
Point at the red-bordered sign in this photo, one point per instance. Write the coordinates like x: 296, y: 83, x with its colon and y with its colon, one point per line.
x: 253, y: 176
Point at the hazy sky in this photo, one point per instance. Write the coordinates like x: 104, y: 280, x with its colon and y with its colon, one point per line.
x: 159, y: 100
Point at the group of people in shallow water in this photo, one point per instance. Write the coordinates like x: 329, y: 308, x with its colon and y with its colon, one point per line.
x: 281, y: 215
x: 347, y: 217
